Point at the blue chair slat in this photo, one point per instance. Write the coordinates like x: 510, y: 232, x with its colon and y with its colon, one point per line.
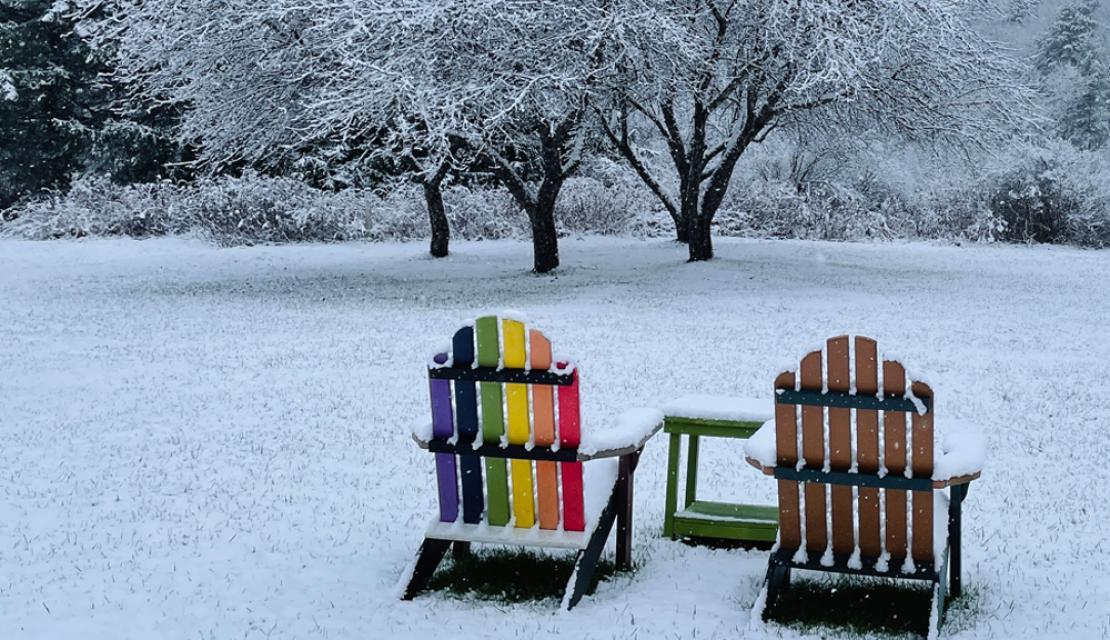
x: 466, y: 418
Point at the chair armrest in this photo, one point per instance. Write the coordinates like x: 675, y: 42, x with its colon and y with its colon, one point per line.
x: 628, y: 433
x: 767, y: 471
x: 958, y: 480
x: 761, y: 449
x: 422, y: 433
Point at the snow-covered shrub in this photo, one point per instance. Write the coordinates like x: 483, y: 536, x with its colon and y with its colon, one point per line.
x: 258, y: 209
x: 587, y: 205
x: 228, y: 210
x: 1051, y: 193
x: 95, y: 207
x: 826, y: 211
x: 482, y: 214
x: 1046, y: 192
x: 255, y: 209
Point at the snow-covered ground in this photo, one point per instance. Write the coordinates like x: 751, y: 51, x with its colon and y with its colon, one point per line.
x: 213, y: 443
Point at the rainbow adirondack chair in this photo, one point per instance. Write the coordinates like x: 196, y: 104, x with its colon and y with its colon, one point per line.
x: 861, y: 474
x: 500, y: 396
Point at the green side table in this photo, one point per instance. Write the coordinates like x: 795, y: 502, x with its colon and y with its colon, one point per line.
x: 698, y: 416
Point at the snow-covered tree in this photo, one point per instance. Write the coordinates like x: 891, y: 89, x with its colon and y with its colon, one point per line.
x: 256, y: 82
x: 427, y: 84
x: 1074, y: 58
x: 50, y: 102
x: 58, y: 117
x: 506, y: 80
x: 713, y: 77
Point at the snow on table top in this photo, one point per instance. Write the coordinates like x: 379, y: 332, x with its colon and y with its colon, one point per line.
x: 713, y: 407
x: 961, y: 449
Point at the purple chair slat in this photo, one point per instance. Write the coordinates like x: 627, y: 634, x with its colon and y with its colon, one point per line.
x: 448, y: 489
x: 443, y: 426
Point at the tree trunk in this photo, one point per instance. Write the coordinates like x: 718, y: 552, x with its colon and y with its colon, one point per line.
x: 687, y: 214
x: 682, y: 230
x: 545, y: 240
x: 701, y: 241
x: 437, y: 215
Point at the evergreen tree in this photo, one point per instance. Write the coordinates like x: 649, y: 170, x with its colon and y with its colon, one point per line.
x: 59, y: 116
x: 1072, y: 57
x: 51, y: 102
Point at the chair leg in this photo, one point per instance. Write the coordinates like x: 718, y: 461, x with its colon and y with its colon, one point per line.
x: 427, y: 559
x: 586, y: 562
x: 778, y: 580
x: 671, y: 504
x: 955, y: 517
x: 936, y: 612
x: 625, y: 484
x: 460, y: 550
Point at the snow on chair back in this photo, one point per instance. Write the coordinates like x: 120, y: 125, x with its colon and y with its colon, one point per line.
x: 825, y: 395
x: 499, y: 375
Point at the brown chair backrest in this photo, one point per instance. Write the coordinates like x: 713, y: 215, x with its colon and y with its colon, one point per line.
x: 837, y: 392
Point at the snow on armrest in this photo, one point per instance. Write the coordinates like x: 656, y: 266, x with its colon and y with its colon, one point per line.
x: 761, y: 446
x: 422, y: 433
x: 629, y: 432
x: 961, y: 451
x: 707, y: 407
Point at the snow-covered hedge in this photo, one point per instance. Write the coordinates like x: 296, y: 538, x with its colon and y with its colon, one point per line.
x: 254, y: 209
x: 228, y: 210
x: 1035, y: 193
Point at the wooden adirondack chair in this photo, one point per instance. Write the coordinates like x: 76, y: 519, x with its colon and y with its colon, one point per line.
x: 856, y: 498
x: 500, y: 395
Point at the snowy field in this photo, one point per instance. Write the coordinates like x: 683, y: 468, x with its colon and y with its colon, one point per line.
x: 213, y: 443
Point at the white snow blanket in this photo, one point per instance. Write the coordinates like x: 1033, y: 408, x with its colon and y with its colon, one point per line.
x: 713, y: 407
x: 214, y: 443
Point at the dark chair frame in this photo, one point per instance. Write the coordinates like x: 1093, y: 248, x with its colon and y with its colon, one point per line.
x: 617, y: 510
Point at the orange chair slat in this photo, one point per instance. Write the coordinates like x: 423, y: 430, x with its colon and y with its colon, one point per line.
x: 922, y: 464
x: 867, y: 447
x: 894, y: 458
x: 840, y: 447
x: 786, y: 441
x: 813, y: 450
